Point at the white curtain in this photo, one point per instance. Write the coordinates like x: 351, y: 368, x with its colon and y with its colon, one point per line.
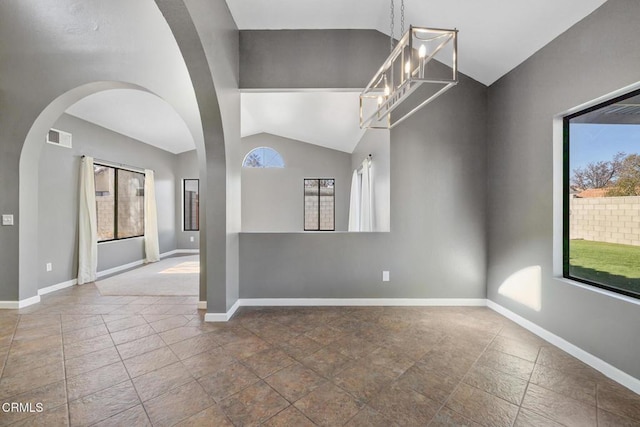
x: 87, y: 224
x: 366, y: 214
x: 354, y: 203
x: 151, y: 244
x: 361, y: 202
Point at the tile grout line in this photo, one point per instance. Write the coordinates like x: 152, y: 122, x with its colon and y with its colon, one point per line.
x: 4, y: 363
x: 180, y: 361
x: 128, y: 374
x: 64, y: 379
x: 527, y: 386
x: 64, y: 371
x: 126, y: 370
x: 464, y: 376
x: 326, y: 380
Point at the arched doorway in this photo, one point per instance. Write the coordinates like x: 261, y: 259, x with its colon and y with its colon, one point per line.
x: 29, y: 282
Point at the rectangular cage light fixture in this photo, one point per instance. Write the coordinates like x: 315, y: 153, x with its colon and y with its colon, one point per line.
x: 404, y: 71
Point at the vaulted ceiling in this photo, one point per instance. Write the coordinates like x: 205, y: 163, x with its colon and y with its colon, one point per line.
x: 495, y: 37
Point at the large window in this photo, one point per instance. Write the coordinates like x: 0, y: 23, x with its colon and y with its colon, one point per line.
x: 191, y: 195
x: 119, y: 202
x: 602, y: 195
x: 319, y: 204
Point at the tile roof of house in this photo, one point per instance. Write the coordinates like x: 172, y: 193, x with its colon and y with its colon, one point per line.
x: 592, y: 192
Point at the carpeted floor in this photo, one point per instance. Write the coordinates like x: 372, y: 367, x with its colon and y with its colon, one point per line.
x: 170, y: 276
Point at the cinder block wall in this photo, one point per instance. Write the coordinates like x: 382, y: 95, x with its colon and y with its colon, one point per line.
x: 606, y: 219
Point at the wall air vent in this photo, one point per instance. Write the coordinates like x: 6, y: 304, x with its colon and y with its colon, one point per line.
x: 58, y: 137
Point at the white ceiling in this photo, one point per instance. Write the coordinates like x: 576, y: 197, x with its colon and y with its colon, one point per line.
x: 136, y: 114
x: 328, y: 119
x: 495, y: 35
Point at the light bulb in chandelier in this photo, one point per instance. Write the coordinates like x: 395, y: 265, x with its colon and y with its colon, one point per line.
x: 422, y: 52
x: 407, y: 67
x: 387, y: 91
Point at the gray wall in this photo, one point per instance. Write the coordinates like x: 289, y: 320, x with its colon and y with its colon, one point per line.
x: 186, y: 167
x: 597, y: 56
x: 376, y: 143
x: 272, y: 199
x: 43, y: 72
x: 209, y: 41
x: 437, y: 245
x: 280, y: 59
x: 58, y: 198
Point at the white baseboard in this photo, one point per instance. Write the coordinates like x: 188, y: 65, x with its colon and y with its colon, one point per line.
x: 141, y: 262
x: 335, y: 302
x: 222, y: 317
x: 119, y: 268
x: 588, y: 358
x: 29, y: 301
x: 179, y: 251
x: 57, y: 287
x: 303, y: 302
x: 12, y: 305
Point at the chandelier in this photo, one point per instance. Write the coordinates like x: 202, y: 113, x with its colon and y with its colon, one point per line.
x: 405, y: 70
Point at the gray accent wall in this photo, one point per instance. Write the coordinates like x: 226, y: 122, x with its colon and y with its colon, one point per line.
x: 375, y: 142
x: 186, y: 167
x: 596, y: 56
x: 437, y: 244
x: 59, y: 185
x: 310, y: 58
x: 273, y: 198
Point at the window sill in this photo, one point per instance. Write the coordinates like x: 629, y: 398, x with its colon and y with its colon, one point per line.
x: 106, y: 242
x: 601, y: 291
x: 314, y: 232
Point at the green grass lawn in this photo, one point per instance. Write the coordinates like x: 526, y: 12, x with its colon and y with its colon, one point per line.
x: 607, y: 263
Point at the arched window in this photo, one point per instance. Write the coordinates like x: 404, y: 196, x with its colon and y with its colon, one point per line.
x: 263, y: 157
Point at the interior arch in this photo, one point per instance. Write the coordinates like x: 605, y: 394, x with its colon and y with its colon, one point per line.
x: 29, y: 174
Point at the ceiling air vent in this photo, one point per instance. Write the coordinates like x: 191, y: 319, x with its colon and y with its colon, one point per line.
x: 59, y: 137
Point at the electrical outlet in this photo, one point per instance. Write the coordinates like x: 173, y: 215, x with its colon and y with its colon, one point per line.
x: 7, y: 219
x: 385, y: 275
x: 192, y: 239
x: 49, y: 266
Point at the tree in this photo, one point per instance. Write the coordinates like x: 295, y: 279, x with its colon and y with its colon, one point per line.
x: 628, y: 180
x: 253, y: 161
x: 598, y: 174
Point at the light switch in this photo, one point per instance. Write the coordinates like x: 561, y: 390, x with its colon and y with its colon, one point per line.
x: 7, y: 219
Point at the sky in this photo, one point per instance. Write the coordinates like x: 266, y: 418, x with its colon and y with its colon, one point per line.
x: 599, y: 142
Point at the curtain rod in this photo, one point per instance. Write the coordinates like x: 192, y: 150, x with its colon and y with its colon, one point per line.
x: 118, y: 165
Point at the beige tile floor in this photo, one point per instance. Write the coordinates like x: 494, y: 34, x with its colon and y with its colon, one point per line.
x: 135, y: 361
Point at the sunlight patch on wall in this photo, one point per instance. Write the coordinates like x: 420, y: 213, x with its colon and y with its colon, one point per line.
x: 524, y: 286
